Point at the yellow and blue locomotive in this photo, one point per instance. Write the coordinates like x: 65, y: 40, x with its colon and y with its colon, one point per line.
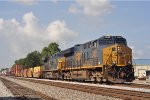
x: 107, y: 58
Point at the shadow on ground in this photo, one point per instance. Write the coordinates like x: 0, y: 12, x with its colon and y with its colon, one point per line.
x: 19, y: 98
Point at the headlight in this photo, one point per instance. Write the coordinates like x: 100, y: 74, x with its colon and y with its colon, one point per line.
x: 118, y: 48
x: 114, y: 62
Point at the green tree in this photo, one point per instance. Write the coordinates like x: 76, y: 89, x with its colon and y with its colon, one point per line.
x: 33, y: 59
x: 54, y: 48
x: 45, y: 52
x: 50, y: 50
x: 20, y: 61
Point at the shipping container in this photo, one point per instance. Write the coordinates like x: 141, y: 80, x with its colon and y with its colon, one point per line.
x: 12, y: 71
x: 18, y: 70
x: 22, y: 72
x: 30, y: 72
x: 37, y: 71
x: 25, y: 72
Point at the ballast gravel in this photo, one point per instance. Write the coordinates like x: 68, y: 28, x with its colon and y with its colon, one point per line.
x: 61, y: 93
x: 4, y: 92
x: 105, y: 86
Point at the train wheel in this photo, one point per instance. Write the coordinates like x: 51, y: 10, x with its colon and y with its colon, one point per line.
x: 95, y: 80
x: 101, y: 80
x: 109, y: 82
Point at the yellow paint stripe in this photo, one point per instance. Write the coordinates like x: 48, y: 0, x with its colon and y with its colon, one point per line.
x: 84, y: 67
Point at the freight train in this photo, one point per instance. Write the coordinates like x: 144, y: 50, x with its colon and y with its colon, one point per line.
x: 106, y: 59
x: 20, y: 71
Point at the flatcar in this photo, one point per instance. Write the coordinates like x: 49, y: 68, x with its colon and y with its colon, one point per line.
x: 106, y: 59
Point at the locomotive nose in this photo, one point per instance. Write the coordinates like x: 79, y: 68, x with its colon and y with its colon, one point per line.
x: 124, y: 56
x: 118, y: 61
x: 118, y: 55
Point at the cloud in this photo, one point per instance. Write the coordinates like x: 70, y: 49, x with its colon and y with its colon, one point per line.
x: 58, y: 30
x: 1, y: 23
x: 28, y: 35
x: 31, y: 25
x: 73, y: 9
x: 148, y: 47
x: 54, y: 1
x: 137, y: 54
x: 26, y: 2
x: 92, y: 7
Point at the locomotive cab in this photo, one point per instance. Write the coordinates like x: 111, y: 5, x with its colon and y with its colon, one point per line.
x: 117, y: 62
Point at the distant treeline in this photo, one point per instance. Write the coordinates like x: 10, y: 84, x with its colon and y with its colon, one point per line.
x: 35, y: 58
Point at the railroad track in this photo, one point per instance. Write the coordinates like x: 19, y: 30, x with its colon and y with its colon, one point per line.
x: 134, y: 85
x: 117, y: 93
x: 23, y: 93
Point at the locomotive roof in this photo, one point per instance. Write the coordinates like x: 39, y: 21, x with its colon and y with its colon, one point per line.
x: 103, y: 38
x: 68, y: 50
x: 111, y: 38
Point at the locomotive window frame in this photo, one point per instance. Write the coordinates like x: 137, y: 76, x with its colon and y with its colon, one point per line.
x: 89, y: 45
x: 95, y: 43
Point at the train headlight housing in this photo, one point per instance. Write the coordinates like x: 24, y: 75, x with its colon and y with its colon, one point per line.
x: 114, y: 62
x: 118, y: 48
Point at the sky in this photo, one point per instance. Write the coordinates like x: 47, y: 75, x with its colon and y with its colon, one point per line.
x: 28, y: 25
